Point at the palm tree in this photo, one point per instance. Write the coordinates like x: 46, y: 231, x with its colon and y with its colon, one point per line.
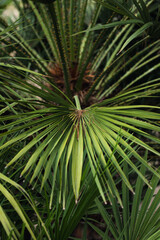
x: 71, y: 103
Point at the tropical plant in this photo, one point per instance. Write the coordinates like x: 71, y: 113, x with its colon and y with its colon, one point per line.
x: 139, y: 218
x: 138, y: 10
x: 70, y: 104
x: 39, y: 221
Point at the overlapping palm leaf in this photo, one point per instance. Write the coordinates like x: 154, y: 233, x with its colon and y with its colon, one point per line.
x: 137, y: 10
x: 139, y: 219
x: 25, y: 211
x: 58, y: 136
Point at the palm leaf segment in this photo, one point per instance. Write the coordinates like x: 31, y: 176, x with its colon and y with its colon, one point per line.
x: 62, y: 135
x: 139, y: 219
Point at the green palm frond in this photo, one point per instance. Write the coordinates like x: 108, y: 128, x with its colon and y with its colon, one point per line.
x: 6, y: 222
x: 60, y: 132
x: 139, y: 218
x: 34, y: 212
x: 133, y: 9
